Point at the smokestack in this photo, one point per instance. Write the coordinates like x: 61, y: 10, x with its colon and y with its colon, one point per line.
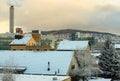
x: 11, y: 29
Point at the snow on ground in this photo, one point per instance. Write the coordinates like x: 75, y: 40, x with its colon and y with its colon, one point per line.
x: 21, y: 77
x: 100, y: 79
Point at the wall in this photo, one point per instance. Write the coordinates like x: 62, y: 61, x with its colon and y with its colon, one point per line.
x: 70, y: 70
x: 67, y: 79
x: 18, y: 47
x: 31, y: 42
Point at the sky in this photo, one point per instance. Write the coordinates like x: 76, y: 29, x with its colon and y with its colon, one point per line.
x: 45, y: 15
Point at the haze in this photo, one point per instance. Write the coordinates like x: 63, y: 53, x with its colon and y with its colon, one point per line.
x: 44, y: 15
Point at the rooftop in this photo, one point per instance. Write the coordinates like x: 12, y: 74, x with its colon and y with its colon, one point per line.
x: 36, y: 62
x: 24, y: 40
x: 117, y: 46
x: 72, y: 45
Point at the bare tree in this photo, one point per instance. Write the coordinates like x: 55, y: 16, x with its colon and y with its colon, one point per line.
x: 8, y: 74
x: 8, y: 71
x: 85, y: 62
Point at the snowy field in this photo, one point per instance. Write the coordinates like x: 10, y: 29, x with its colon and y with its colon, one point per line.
x: 100, y: 79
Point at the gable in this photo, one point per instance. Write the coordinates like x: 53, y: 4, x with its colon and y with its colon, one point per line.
x: 31, y: 42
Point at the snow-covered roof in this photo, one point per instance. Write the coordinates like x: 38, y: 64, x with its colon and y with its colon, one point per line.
x: 20, y: 77
x: 96, y: 54
x: 22, y: 41
x: 72, y: 45
x: 37, y: 62
x: 117, y: 45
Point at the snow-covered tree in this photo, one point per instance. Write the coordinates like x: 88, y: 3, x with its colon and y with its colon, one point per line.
x: 115, y: 67
x: 109, y: 61
x: 8, y: 74
x: 9, y: 68
x: 106, y: 57
x: 85, y: 62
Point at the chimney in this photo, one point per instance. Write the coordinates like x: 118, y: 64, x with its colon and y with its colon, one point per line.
x: 11, y: 22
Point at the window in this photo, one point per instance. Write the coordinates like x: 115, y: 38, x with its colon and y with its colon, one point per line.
x: 37, y: 49
x: 30, y: 49
x: 73, y: 67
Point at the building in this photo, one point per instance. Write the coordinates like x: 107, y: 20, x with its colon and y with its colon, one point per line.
x: 5, y: 43
x: 40, y: 63
x: 33, y: 41
x: 117, y: 46
x: 21, y: 43
x: 73, y: 45
x: 5, y: 40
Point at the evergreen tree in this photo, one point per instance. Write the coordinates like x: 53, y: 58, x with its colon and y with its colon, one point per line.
x: 115, y: 67
x: 106, y: 58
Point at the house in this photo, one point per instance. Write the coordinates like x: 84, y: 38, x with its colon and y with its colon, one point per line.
x: 73, y: 45
x: 21, y: 43
x: 5, y: 40
x: 23, y: 77
x: 117, y: 46
x: 36, y: 62
x: 33, y: 41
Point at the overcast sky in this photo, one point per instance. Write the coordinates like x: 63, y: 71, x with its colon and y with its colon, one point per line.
x: 96, y: 15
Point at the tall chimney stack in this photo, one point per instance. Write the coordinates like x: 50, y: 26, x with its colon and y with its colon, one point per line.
x: 11, y: 29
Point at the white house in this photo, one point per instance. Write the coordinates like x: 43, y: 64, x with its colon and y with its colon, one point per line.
x: 73, y: 45
x: 39, y: 62
x: 117, y: 46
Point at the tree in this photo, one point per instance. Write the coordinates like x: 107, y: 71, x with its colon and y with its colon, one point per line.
x: 115, y: 67
x: 106, y: 57
x: 73, y: 36
x: 8, y: 74
x: 109, y: 61
x: 85, y: 62
x: 8, y: 70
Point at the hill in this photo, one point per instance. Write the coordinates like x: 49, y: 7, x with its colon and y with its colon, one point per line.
x: 65, y: 31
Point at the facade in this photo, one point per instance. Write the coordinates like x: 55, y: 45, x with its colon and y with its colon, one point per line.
x: 21, y: 44
x: 5, y: 40
x: 5, y: 43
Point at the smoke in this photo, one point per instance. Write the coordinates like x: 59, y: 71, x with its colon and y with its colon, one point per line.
x: 17, y: 3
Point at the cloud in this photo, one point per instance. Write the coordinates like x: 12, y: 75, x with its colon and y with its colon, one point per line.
x: 58, y: 14
x: 4, y: 26
x: 14, y: 2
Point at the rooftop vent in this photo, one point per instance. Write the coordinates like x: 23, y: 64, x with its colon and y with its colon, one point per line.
x: 55, y: 78
x: 48, y: 66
